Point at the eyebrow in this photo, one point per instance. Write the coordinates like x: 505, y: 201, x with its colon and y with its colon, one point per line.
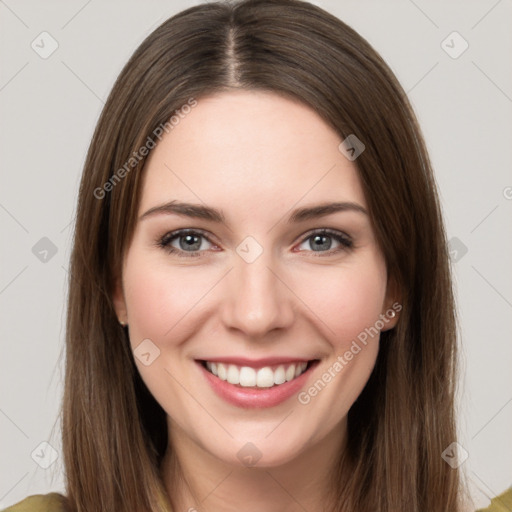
x: 199, y: 211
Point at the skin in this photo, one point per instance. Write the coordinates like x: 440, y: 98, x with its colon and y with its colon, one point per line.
x: 256, y: 156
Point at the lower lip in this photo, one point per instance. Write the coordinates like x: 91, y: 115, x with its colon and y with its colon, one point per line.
x: 252, y: 397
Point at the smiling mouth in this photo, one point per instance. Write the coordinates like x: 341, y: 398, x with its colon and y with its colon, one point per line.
x: 258, y: 378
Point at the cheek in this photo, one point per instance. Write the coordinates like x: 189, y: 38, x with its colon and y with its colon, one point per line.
x: 159, y: 298
x: 160, y: 301
x: 348, y: 300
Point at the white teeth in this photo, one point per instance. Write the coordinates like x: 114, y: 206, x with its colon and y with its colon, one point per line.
x: 264, y: 377
x: 247, y: 377
x: 233, y: 376
x: 290, y: 373
x: 279, y: 375
x: 221, y: 371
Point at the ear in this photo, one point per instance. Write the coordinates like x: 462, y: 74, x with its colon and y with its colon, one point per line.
x: 119, y: 302
x: 392, y: 304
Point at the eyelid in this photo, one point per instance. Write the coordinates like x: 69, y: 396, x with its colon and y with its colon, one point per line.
x: 170, y: 235
x: 165, y: 241
x: 341, y: 237
x: 328, y: 231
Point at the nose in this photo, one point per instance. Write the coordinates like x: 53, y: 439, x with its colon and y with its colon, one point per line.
x: 257, y: 299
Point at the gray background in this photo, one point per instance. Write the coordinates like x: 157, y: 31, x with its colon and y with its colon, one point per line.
x: 49, y: 108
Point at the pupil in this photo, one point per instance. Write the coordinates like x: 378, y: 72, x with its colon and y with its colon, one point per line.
x: 320, y: 242
x: 190, y: 242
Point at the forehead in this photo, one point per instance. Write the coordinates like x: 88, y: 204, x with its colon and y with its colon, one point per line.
x: 250, y: 151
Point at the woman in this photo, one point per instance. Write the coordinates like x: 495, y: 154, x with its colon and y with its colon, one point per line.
x: 260, y: 309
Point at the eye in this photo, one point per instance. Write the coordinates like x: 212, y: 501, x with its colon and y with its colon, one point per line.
x: 184, y: 242
x: 321, y: 241
x: 192, y: 243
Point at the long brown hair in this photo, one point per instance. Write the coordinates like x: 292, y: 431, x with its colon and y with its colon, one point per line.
x: 114, y: 432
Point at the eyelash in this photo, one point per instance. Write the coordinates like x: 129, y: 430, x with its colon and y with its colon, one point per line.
x: 164, y: 242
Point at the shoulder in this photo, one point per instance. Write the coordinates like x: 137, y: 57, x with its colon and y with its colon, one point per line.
x: 51, y: 502
x: 502, y: 503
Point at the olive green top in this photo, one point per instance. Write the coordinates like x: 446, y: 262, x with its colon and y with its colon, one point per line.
x: 502, y: 503
x: 54, y: 502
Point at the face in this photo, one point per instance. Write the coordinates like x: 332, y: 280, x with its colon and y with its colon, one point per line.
x: 257, y: 309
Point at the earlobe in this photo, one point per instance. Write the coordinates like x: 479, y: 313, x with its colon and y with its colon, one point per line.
x: 393, y: 304
x: 391, y: 316
x: 120, y: 303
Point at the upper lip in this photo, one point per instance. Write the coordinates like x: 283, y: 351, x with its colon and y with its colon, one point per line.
x: 256, y: 363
